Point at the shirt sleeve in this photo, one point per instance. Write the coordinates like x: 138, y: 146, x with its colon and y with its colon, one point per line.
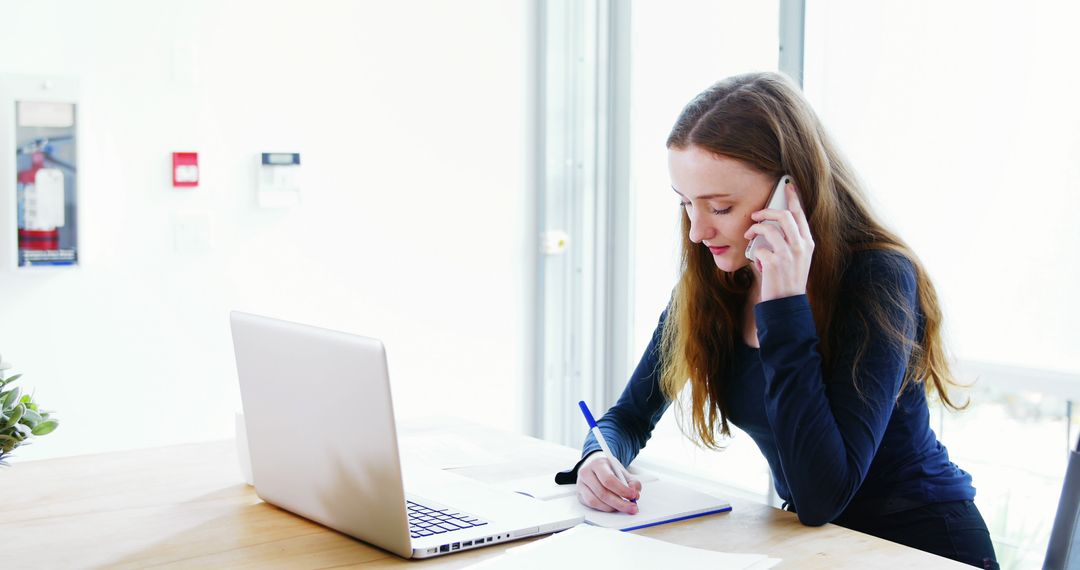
x: 827, y: 427
x: 629, y: 423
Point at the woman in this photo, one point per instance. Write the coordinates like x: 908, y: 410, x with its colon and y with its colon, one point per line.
x: 824, y: 348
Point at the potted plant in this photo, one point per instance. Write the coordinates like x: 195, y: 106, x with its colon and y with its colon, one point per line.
x: 20, y: 417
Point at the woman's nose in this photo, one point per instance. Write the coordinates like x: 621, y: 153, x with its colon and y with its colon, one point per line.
x: 699, y: 229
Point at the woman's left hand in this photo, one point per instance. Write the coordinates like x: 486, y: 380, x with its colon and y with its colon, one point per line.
x: 784, y: 270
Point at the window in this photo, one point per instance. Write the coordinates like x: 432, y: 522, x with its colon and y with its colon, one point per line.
x: 678, y: 48
x: 961, y: 118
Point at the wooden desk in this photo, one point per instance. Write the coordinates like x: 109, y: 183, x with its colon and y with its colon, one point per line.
x: 187, y: 507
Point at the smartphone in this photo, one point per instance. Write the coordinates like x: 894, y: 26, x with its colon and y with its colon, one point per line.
x: 777, y: 201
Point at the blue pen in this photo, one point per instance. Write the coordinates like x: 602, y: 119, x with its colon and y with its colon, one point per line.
x: 617, y: 467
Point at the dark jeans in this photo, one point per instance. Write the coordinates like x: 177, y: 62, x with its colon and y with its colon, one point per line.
x: 954, y: 530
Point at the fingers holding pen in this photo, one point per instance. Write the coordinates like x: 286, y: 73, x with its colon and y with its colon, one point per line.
x: 612, y: 482
x: 608, y: 500
x: 587, y: 497
x: 599, y: 484
x: 600, y: 488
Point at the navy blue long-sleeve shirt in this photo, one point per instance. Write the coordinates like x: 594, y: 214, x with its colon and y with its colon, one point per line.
x: 832, y: 450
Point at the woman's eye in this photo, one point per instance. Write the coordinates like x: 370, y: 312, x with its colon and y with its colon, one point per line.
x: 686, y: 204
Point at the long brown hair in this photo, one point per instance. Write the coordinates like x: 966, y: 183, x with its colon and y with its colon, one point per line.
x: 763, y: 120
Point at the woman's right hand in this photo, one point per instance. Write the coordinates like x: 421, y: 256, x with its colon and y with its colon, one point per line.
x: 598, y: 487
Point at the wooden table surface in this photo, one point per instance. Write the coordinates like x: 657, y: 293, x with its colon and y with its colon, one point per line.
x: 187, y: 506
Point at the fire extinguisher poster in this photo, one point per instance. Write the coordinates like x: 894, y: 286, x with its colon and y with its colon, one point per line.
x: 46, y: 186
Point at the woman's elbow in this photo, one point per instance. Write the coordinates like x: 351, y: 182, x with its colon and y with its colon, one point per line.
x: 813, y: 519
x: 817, y: 515
x: 820, y: 504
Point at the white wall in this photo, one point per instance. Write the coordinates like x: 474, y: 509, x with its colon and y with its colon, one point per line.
x: 411, y: 120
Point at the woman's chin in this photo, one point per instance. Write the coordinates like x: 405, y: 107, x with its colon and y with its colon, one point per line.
x: 731, y: 265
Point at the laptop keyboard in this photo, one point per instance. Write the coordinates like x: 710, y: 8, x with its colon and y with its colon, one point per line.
x: 425, y: 521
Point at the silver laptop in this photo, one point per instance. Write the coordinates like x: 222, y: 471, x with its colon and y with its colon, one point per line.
x: 323, y: 444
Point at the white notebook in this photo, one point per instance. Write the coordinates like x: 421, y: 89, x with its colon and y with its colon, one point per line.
x: 661, y: 501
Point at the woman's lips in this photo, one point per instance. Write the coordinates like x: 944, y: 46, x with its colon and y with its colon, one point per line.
x: 719, y: 250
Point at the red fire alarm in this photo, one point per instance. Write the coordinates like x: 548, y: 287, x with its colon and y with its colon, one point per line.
x: 185, y: 168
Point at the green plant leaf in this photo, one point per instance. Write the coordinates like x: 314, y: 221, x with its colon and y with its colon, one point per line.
x: 12, y: 398
x: 10, y: 379
x: 25, y: 399
x: 4, y: 397
x: 46, y: 427
x: 16, y: 415
x: 31, y: 418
